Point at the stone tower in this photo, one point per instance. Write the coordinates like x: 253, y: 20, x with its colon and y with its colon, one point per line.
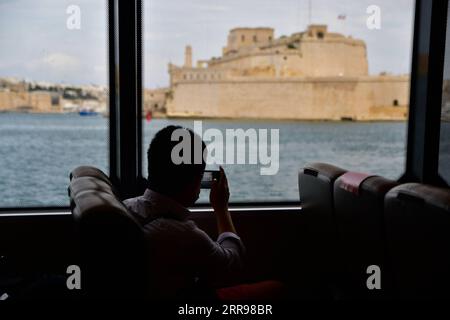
x: 188, y: 57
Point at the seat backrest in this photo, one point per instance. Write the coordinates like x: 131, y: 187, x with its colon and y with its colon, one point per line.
x: 316, y: 183
x: 88, y: 171
x: 359, y: 207
x: 112, y: 247
x: 418, y: 240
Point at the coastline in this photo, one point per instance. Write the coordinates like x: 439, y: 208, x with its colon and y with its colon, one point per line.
x: 226, y: 119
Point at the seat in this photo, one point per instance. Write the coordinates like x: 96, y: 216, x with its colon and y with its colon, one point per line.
x: 111, y: 243
x: 418, y: 240
x: 359, y: 207
x: 317, y: 249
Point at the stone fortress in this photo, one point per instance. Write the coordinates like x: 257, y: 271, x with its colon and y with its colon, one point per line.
x: 311, y: 75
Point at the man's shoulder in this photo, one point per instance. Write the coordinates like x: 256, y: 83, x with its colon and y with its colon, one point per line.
x: 136, y: 206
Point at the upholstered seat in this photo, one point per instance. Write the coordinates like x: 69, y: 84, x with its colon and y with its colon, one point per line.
x: 317, y: 249
x: 112, y: 247
x: 359, y: 207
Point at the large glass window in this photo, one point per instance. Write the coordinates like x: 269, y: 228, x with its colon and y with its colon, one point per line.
x: 53, y: 95
x: 444, y: 152
x: 331, y: 78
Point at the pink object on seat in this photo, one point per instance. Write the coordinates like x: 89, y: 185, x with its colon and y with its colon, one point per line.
x: 264, y: 290
x: 351, y: 181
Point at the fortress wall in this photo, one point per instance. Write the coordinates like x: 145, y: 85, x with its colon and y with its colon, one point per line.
x: 37, y: 101
x: 389, y: 95
x: 194, y: 74
x: 330, y: 58
x: 41, y: 101
x: 266, y: 65
x: 331, y: 99
x: 318, y: 58
x: 387, y: 89
x: 10, y: 100
x: 5, y: 100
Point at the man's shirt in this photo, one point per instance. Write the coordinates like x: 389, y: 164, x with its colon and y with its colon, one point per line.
x: 180, y: 252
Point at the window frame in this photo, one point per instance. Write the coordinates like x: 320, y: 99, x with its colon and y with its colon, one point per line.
x: 125, y: 89
x: 125, y: 104
x: 424, y: 123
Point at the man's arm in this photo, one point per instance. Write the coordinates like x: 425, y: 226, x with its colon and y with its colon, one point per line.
x: 220, y: 262
x: 224, y: 257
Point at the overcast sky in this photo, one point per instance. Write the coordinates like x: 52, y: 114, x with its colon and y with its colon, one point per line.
x: 36, y: 44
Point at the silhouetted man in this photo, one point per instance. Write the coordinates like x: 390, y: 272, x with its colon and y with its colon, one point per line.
x: 182, y: 256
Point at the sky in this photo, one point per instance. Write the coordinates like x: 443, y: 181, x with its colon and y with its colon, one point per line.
x: 35, y: 43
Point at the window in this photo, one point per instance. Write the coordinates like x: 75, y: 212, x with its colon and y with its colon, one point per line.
x: 260, y: 93
x: 53, y: 67
x: 444, y: 149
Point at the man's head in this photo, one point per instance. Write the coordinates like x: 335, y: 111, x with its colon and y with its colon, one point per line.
x: 178, y: 181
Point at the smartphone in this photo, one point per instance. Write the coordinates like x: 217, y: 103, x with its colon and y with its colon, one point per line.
x: 208, y: 177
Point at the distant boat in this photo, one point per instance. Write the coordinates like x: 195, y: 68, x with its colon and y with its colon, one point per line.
x: 87, y: 112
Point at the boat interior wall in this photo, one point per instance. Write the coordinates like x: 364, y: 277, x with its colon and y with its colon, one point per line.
x: 320, y: 251
x: 417, y: 224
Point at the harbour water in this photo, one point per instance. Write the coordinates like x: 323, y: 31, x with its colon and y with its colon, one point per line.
x: 39, y: 150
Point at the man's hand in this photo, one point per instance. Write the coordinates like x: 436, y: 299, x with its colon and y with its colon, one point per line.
x: 220, y: 193
x: 219, y: 197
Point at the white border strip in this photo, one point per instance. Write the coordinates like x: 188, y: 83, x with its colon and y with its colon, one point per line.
x: 252, y: 209
x: 35, y: 214
x: 192, y: 210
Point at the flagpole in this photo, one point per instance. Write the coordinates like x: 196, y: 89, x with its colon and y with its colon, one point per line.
x: 309, y: 12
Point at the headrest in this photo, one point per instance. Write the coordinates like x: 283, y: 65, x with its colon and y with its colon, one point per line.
x: 323, y: 171
x: 88, y: 171
x: 88, y: 183
x: 98, y: 204
x: 425, y: 194
x: 351, y: 181
x: 93, y: 198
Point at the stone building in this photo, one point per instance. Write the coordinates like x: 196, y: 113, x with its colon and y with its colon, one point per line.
x: 29, y: 101
x: 311, y: 75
